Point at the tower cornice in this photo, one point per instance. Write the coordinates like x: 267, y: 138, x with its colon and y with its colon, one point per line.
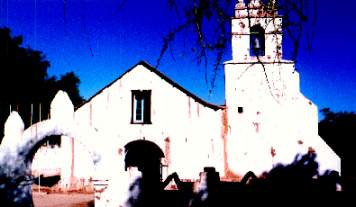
x: 251, y: 62
x: 255, y: 9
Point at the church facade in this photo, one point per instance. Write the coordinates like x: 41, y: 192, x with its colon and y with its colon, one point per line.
x: 266, y: 119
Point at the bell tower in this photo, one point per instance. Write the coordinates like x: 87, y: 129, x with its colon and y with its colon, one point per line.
x: 259, y: 87
x: 269, y: 120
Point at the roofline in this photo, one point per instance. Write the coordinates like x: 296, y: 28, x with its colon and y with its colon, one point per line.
x: 164, y: 77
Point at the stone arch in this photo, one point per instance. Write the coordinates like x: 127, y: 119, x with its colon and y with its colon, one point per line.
x: 17, y: 159
x: 39, y: 133
x: 19, y: 147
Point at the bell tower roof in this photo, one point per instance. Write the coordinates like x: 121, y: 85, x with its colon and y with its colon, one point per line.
x: 255, y: 4
x: 240, y: 4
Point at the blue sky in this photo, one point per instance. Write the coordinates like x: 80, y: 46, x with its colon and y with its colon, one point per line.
x: 101, y: 39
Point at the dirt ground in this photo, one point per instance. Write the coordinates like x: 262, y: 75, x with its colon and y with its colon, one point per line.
x: 63, y: 200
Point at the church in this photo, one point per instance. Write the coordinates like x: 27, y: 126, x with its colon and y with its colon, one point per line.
x: 145, y: 124
x: 266, y: 119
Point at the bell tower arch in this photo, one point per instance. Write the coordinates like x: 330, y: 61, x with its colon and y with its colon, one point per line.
x: 256, y: 33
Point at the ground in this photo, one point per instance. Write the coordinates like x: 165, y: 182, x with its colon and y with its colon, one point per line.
x: 54, y: 199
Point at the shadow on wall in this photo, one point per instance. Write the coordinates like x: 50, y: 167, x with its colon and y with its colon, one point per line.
x: 148, y: 189
x: 298, y: 177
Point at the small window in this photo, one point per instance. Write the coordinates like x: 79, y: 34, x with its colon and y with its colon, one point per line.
x: 141, y: 107
x: 257, y: 41
x: 53, y: 141
x: 240, y: 109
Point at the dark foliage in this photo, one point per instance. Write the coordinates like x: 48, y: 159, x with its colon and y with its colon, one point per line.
x: 24, y: 81
x: 298, y: 178
x: 338, y: 130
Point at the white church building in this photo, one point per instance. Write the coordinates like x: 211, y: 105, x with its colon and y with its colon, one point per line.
x: 266, y: 119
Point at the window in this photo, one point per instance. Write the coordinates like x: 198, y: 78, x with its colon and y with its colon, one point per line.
x: 53, y: 140
x: 141, y: 107
x: 257, y: 41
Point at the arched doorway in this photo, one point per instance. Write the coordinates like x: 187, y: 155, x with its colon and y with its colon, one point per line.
x: 146, y: 157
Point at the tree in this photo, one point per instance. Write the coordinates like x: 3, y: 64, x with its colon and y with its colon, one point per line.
x: 68, y: 82
x: 24, y: 83
x: 208, y: 22
x: 338, y: 130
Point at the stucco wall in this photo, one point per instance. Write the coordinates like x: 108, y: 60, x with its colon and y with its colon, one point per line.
x: 188, y: 132
x: 276, y: 117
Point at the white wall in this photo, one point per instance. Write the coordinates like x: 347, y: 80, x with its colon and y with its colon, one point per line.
x: 193, y: 129
x: 276, y: 115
